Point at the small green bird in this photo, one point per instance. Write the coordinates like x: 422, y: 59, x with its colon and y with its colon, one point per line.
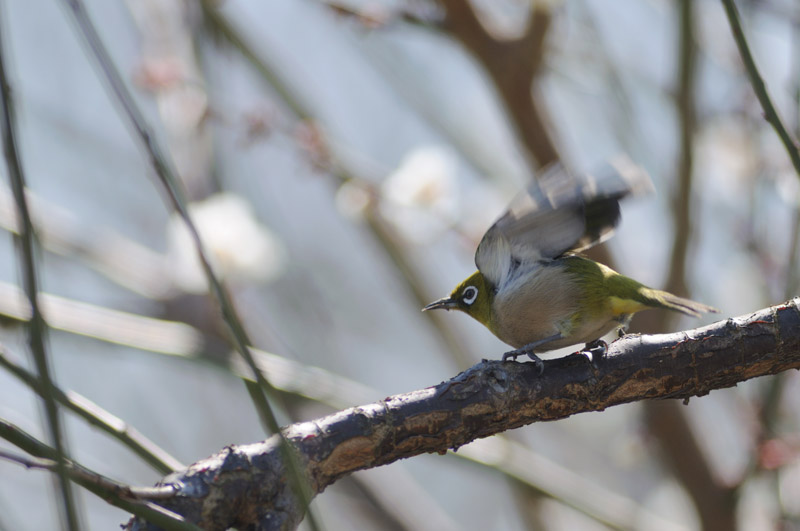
x: 533, y: 291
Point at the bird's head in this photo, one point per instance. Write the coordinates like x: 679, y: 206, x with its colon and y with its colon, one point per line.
x: 473, y: 296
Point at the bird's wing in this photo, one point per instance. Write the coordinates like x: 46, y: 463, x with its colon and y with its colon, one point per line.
x: 559, y: 212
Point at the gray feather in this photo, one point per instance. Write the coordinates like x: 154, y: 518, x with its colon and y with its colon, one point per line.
x: 559, y: 212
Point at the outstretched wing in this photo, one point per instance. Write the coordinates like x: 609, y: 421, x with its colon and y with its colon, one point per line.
x: 559, y: 212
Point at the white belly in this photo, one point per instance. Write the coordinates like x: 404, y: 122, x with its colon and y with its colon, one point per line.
x: 542, y: 303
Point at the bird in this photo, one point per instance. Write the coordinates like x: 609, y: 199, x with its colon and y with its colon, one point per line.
x: 534, y: 290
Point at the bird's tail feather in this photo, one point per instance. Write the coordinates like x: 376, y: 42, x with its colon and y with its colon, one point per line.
x: 679, y: 304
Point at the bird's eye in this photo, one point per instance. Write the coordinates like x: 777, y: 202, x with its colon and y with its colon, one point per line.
x: 469, y: 295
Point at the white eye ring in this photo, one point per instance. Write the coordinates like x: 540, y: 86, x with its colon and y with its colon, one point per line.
x: 469, y: 295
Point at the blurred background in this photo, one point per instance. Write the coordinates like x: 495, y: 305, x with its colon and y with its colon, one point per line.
x: 343, y: 159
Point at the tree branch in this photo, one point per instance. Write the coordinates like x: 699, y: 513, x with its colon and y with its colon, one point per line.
x: 513, y: 65
x: 759, y: 87
x: 247, y: 487
x: 666, y: 420
x: 96, y: 416
x: 132, y: 499
x: 165, y: 171
x: 37, y: 327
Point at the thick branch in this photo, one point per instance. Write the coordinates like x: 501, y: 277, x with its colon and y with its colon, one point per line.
x: 246, y: 486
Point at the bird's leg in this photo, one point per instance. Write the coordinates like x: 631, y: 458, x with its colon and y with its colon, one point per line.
x: 624, y: 321
x: 527, y: 350
x: 597, y: 349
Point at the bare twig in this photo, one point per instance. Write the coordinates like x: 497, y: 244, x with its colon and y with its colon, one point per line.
x: 154, y: 455
x: 108, y: 252
x: 163, y: 167
x: 666, y: 420
x: 37, y: 328
x: 244, y: 486
x: 562, y: 484
x: 80, y: 473
x: 114, y: 326
x: 379, y: 16
x: 169, y: 68
x: 513, y: 65
x: 687, y: 118
x: 715, y: 503
x: 138, y: 501
x: 791, y: 146
x: 771, y: 397
x: 770, y: 114
x: 380, y: 230
x: 164, y: 170
x: 792, y: 274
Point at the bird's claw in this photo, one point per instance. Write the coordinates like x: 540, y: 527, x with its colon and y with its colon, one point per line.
x: 514, y: 354
x: 597, y: 349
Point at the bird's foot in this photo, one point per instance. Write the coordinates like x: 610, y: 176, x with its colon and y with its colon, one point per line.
x: 528, y: 349
x: 513, y: 354
x: 597, y: 349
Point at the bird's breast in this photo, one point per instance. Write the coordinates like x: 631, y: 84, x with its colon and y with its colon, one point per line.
x: 537, y: 302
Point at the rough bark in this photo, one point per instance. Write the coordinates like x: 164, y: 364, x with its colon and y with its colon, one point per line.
x: 246, y: 487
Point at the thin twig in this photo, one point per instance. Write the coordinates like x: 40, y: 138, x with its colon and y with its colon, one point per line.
x: 149, y: 451
x: 113, y: 255
x: 770, y: 114
x: 37, y: 328
x: 771, y: 398
x: 513, y: 65
x: 163, y: 167
x: 164, y: 170
x: 792, y: 274
x: 380, y: 230
x: 114, y: 326
x: 117, y: 494
x: 666, y: 420
x: 566, y: 486
x: 79, y: 472
x: 687, y: 117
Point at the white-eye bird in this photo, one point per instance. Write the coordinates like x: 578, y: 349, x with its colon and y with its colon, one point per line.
x: 532, y: 289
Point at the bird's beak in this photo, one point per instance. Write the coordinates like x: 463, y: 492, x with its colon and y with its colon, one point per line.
x: 447, y: 303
